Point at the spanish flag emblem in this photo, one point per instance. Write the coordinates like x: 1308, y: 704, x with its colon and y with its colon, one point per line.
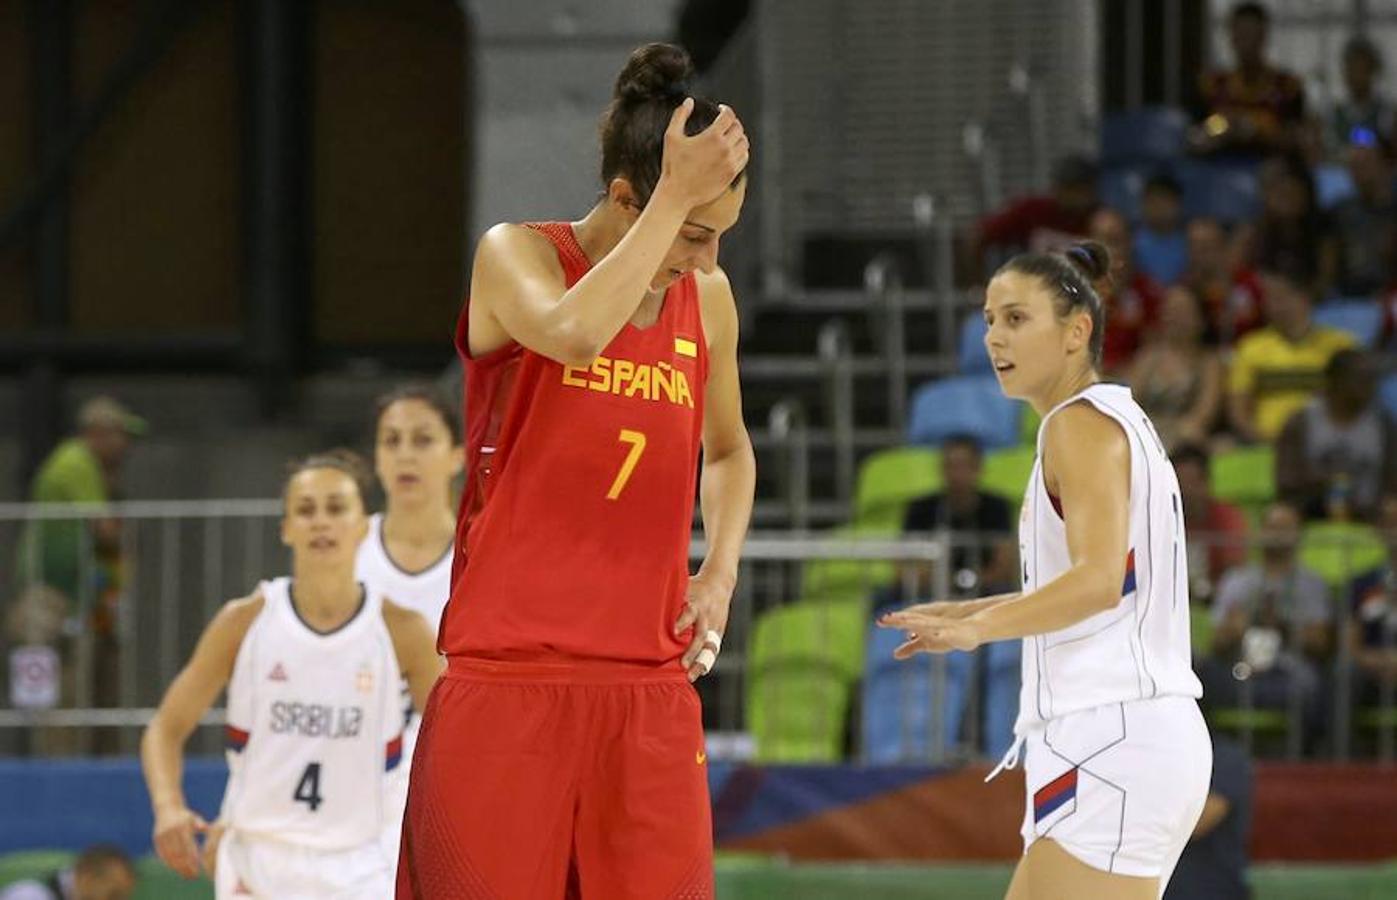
x: 686, y: 347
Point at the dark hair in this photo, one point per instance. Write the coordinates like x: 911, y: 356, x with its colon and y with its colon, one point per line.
x: 1074, y: 170
x: 1190, y: 453
x: 423, y: 393
x: 1358, y: 45
x: 653, y: 83
x: 1163, y: 181
x: 341, y: 460
x: 1254, y: 10
x: 1346, y: 363
x: 1292, y: 274
x: 1076, y: 278
x: 968, y: 441
x: 100, y: 857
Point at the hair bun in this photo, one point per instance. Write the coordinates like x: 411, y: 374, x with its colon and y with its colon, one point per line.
x: 655, y: 71
x: 1090, y: 258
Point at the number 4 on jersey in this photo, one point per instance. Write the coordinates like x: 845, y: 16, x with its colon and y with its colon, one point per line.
x: 637, y: 441
x: 308, y: 788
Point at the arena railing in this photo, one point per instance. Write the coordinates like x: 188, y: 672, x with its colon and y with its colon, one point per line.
x: 804, y: 599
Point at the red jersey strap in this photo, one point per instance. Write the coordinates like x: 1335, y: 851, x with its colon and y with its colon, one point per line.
x: 575, y: 262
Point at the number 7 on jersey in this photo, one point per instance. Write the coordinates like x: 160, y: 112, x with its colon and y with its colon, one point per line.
x: 637, y: 441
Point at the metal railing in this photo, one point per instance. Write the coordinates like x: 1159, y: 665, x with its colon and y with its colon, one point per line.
x: 800, y: 641
x: 836, y: 353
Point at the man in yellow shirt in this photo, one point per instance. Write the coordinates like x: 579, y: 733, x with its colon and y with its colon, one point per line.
x: 1276, y: 369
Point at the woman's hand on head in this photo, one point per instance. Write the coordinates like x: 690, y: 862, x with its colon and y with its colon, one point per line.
x: 699, y: 168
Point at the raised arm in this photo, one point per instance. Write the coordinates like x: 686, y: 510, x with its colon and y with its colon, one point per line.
x: 186, y: 700
x: 518, y: 282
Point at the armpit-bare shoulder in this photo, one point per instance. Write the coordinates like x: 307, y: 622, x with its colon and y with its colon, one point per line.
x: 402, y: 621
x: 236, y: 616
x: 510, y: 241
x: 1081, y: 426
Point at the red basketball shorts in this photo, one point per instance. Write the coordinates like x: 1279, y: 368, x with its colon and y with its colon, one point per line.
x: 538, y: 781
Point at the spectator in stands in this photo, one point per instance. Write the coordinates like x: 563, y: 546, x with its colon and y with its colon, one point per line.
x: 1278, y: 368
x: 1337, y: 456
x: 1365, y: 224
x: 1293, y: 234
x: 1273, y: 629
x: 983, y: 559
x: 1255, y: 108
x: 1217, y: 531
x: 1161, y: 248
x: 1132, y: 299
x: 1230, y: 293
x: 101, y: 872
x: 1041, y: 222
x: 81, y: 558
x: 981, y: 522
x: 1365, y: 108
x: 1176, y: 378
x: 1373, y: 627
x: 1214, y: 862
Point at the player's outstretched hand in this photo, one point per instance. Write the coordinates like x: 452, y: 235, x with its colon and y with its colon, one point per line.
x: 930, y: 632
x: 174, y: 839
x: 700, y: 168
x: 706, y: 612
x: 942, y: 609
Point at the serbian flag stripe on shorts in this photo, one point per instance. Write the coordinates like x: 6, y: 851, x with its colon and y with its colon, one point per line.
x: 1129, y: 586
x: 1051, y: 796
x: 234, y: 739
x: 393, y: 754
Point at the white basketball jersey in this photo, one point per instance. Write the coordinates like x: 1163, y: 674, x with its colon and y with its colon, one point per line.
x: 314, y: 723
x: 1139, y: 648
x: 426, y: 591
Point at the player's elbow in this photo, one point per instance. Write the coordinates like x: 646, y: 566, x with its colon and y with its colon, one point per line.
x: 572, y: 344
x: 1103, y: 589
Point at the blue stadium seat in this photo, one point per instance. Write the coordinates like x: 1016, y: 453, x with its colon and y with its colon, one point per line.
x: 1121, y: 188
x: 898, y: 699
x: 964, y: 404
x: 1387, y: 395
x: 1151, y: 135
x: 971, y: 358
x: 1359, y: 316
x: 1227, y: 191
x: 1333, y: 185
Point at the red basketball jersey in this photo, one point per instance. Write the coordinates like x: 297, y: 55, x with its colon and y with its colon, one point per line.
x: 573, y: 535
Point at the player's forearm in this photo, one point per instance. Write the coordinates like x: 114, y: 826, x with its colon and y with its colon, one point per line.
x: 162, y: 761
x: 595, y: 309
x: 969, y: 608
x: 1077, y: 594
x: 725, y: 496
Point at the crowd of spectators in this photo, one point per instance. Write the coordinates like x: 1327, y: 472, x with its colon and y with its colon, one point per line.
x: 1225, y: 324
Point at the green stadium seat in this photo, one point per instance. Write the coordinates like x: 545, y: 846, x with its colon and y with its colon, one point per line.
x: 1006, y: 472
x: 890, y: 479
x: 849, y: 579
x: 803, y: 661
x: 1200, y: 626
x: 1028, y: 426
x: 1340, y: 551
x: 1244, y: 475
